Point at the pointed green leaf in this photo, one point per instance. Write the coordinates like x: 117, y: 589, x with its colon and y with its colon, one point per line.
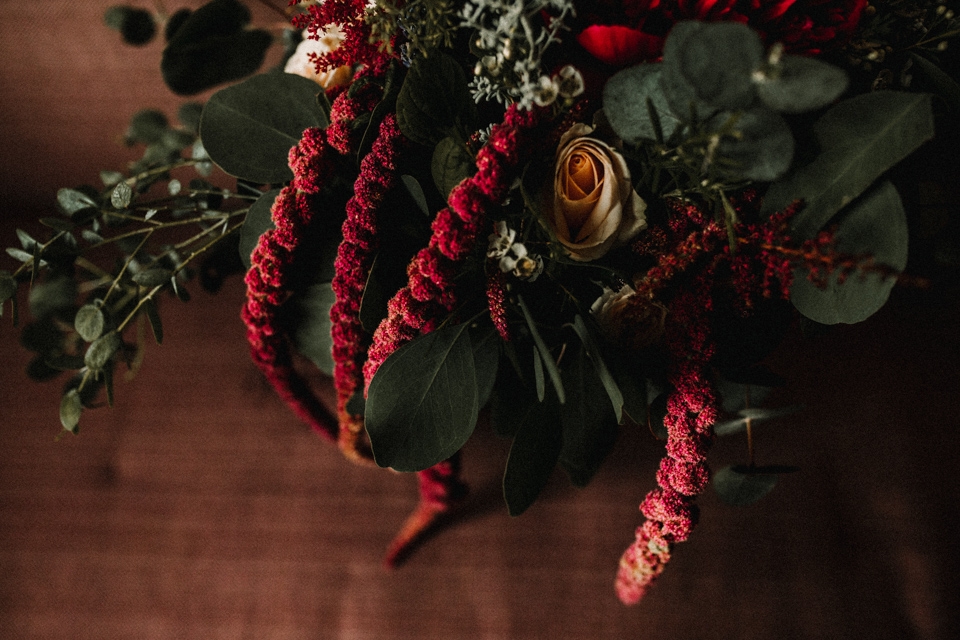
x: 451, y: 164
x: 533, y: 456
x: 153, y: 315
x: 596, y: 357
x: 72, y: 201
x: 860, y: 139
x: 8, y: 286
x: 422, y: 404
x: 416, y: 192
x: 539, y: 381
x: 70, y: 409
x: 548, y: 361
x: 152, y: 277
x: 434, y: 101
x: 249, y: 128
x: 486, y: 359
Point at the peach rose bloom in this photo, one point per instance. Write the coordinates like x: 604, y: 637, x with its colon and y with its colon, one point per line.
x: 300, y: 63
x: 594, y: 206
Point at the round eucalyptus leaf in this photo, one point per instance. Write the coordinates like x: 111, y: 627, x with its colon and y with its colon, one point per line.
x: 249, y: 128
x: 762, y: 148
x: 121, y: 195
x: 740, y: 486
x: 875, y: 225
x: 635, y: 105
x: 72, y: 200
x: 797, y: 84
x: 147, y: 126
x: 89, y: 322
x: 101, y: 351
x: 71, y: 407
x: 719, y: 62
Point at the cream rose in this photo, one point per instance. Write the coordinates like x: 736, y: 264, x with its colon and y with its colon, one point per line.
x: 594, y: 207
x: 300, y: 63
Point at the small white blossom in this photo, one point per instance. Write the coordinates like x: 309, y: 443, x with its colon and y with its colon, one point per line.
x: 500, y: 240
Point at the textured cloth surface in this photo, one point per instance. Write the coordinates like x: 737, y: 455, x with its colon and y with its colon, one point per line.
x: 199, y: 507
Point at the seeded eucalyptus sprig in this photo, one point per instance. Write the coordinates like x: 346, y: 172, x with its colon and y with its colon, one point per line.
x: 103, y: 264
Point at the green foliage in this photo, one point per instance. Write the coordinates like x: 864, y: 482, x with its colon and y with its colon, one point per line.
x: 635, y: 105
x: 136, y: 26
x: 422, y: 404
x: 875, y: 227
x: 101, y: 351
x: 309, y: 311
x: 451, y: 164
x: 543, y: 352
x: 89, y: 322
x: 533, y: 454
x: 249, y: 128
x: 859, y: 140
x: 257, y: 221
x: 211, y: 46
x: 796, y: 84
x: 434, y: 101
x: 71, y: 407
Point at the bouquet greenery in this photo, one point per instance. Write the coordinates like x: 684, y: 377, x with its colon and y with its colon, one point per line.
x: 577, y: 214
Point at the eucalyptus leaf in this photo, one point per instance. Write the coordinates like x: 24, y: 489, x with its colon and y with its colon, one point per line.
x: 451, y: 164
x: 89, y: 322
x: 26, y: 240
x: 211, y: 46
x: 422, y: 403
x: 539, y: 381
x: 19, y: 254
x: 486, y: 358
x: 147, y: 126
x: 101, y: 351
x: 55, y: 294
x: 8, y: 286
x: 875, y: 225
x: 312, y: 326
x: 589, y: 424
x: 625, y: 103
x: 738, y: 487
x: 860, y: 139
x: 258, y: 220
x: 412, y: 185
x: 797, y: 84
x: 58, y: 224
x: 72, y: 201
x: 946, y: 87
x: 121, y: 195
x: 762, y: 149
x: 153, y: 277
x: 70, y: 410
x: 533, y: 456
x: 719, y: 63
x: 153, y: 316
x: 434, y: 101
x: 249, y: 128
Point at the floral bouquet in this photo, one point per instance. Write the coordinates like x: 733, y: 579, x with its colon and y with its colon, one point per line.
x: 579, y: 216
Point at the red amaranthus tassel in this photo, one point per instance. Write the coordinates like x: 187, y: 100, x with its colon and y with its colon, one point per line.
x: 272, y: 262
x: 691, y: 412
x: 378, y: 176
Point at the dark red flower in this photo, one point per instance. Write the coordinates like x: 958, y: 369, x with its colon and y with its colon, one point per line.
x: 619, y: 46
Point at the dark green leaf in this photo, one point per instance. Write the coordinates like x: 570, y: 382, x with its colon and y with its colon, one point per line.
x: 596, y: 357
x: 19, y: 254
x: 135, y: 25
x: 946, y: 87
x: 63, y: 361
x: 248, y: 129
x: 539, y: 381
x: 71, y: 201
x: 89, y: 322
x: 189, y: 115
x: 26, y: 240
x: 259, y: 219
x: 719, y: 64
x: 311, y: 317
x: 860, y: 139
x: 422, y: 404
x: 486, y: 360
x: 738, y: 488
x: 212, y: 46
x: 58, y: 224
x: 416, y: 192
x: 153, y: 277
x: 53, y: 295
x: 533, y: 455
x: 875, y: 225
x: 762, y: 149
x: 450, y: 165
x: 147, y: 126
x: 797, y: 84
x: 625, y: 97
x: 434, y: 101
x: 589, y: 424
x: 512, y: 399
x: 658, y: 413
x: 755, y: 415
x: 153, y: 315
x: 101, y: 351
x: 70, y: 410
x: 544, y: 352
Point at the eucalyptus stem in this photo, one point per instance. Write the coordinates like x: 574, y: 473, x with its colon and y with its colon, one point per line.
x: 123, y: 269
x: 29, y: 263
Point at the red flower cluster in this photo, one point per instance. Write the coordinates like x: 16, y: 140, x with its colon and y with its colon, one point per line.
x: 429, y: 294
x: 622, y: 33
x: 356, y: 48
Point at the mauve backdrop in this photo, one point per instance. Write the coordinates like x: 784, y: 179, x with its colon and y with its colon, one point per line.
x: 198, y: 507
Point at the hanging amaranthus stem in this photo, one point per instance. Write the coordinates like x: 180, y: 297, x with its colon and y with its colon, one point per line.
x: 272, y: 263
x: 378, y: 175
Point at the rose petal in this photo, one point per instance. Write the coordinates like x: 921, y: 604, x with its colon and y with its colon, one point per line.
x: 619, y: 46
